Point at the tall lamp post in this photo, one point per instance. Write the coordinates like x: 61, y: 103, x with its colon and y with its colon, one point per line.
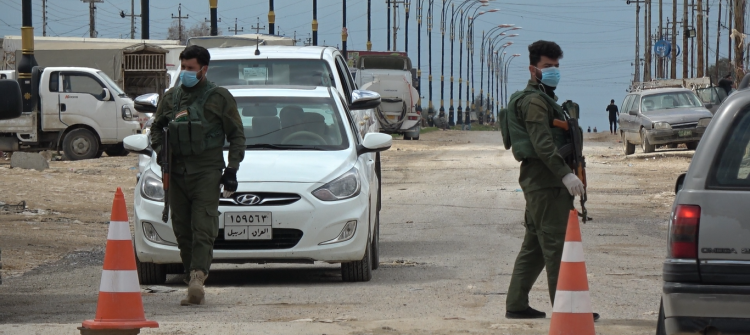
x: 461, y: 35
x: 505, y: 76
x: 420, y: 5
x: 470, y: 52
x: 442, y: 65
x: 486, y: 38
x: 430, y: 110
x: 496, y: 39
x: 315, y: 23
x: 452, y: 37
x: 271, y: 18
x: 494, y: 68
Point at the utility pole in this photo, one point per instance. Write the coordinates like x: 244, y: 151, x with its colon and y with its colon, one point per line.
x: 407, y: 4
x: 235, y: 31
x: 44, y: 17
x: 315, y: 23
x: 637, y: 63
x: 737, y: 34
x: 718, y: 43
x: 673, y: 73
x: 257, y: 27
x: 730, y: 19
x: 685, y: 36
x: 708, y: 42
x: 699, y: 36
x: 271, y: 18
x: 393, y: 30
x: 344, y: 32
x: 214, y: 21
x: 132, y: 18
x: 144, y: 19
x: 92, y: 16
x: 692, y: 40
x: 179, y: 18
x: 660, y: 70
x: 647, y: 64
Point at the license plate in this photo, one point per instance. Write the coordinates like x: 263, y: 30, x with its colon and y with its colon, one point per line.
x: 248, y: 226
x: 392, y: 117
x: 685, y: 133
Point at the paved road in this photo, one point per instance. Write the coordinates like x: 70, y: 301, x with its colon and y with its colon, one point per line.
x: 450, y: 231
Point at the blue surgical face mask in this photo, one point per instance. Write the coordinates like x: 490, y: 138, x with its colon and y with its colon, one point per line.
x: 189, y: 78
x: 550, y: 76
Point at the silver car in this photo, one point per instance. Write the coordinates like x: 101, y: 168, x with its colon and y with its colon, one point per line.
x: 707, y: 270
x: 665, y: 116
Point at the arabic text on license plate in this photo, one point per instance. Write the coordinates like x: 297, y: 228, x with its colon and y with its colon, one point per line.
x: 248, y: 226
x: 684, y: 133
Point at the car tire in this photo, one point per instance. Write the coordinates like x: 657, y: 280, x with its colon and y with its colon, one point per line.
x: 647, y: 147
x: 375, y: 248
x: 358, y: 271
x: 628, y: 147
x: 406, y: 138
x: 117, y: 150
x: 692, y: 145
x: 379, y: 174
x: 150, y: 273
x: 660, y: 327
x: 80, y: 144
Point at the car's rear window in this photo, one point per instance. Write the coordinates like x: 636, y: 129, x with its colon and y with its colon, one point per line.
x: 299, y: 72
x: 732, y: 166
x: 671, y: 100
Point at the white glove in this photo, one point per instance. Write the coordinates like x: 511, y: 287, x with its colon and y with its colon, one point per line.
x: 574, y: 185
x: 227, y: 194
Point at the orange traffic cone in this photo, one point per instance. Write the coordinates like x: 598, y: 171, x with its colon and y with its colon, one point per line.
x: 120, y: 305
x: 572, y: 313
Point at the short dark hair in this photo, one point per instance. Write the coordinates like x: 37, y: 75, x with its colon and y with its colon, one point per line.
x: 543, y: 48
x: 198, y: 52
x: 728, y: 76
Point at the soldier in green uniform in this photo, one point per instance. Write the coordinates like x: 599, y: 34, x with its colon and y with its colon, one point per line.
x: 548, y: 184
x: 199, y: 116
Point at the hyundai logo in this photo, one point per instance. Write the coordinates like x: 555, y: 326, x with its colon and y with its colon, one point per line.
x: 248, y: 199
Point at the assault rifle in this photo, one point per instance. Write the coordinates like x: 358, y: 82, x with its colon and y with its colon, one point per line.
x: 573, y: 155
x: 166, y: 159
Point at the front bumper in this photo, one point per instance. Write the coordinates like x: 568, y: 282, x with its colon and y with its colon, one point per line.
x: 317, y: 221
x: 691, y: 308
x: 669, y: 136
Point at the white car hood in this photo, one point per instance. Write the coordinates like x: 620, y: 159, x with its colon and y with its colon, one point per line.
x: 293, y: 166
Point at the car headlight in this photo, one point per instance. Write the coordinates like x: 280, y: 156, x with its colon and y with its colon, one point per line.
x: 151, y: 187
x: 704, y: 122
x: 662, y: 125
x: 344, y: 187
x: 127, y: 113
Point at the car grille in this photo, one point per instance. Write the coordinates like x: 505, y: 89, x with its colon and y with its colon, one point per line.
x: 283, y: 238
x: 685, y: 125
x: 267, y: 199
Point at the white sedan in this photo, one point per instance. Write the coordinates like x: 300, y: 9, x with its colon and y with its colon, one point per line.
x: 308, y: 188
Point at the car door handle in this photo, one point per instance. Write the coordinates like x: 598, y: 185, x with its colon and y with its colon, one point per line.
x: 63, y: 107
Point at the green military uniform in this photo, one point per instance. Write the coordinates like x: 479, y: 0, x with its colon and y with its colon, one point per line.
x: 196, y: 167
x: 548, y: 202
x: 572, y: 109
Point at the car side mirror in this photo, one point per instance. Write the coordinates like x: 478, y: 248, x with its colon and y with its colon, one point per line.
x: 146, y: 103
x: 362, y: 99
x: 632, y: 112
x: 105, y: 93
x: 137, y: 144
x: 375, y: 142
x: 680, y: 183
x: 11, y: 103
x: 709, y: 106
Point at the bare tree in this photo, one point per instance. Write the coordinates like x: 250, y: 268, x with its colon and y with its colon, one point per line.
x: 198, y: 29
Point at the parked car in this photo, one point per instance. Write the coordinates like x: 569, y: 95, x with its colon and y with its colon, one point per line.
x: 664, y: 116
x: 707, y: 271
x: 308, y: 173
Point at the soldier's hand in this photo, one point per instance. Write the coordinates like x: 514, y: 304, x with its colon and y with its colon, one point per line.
x: 229, y: 180
x: 574, y: 185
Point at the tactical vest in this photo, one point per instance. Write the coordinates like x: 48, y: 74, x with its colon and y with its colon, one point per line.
x: 194, y: 135
x: 513, y: 127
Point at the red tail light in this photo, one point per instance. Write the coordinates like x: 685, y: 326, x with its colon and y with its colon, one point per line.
x: 684, y: 233
x: 413, y: 118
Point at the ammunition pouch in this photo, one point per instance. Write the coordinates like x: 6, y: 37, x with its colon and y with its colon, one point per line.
x: 194, y: 135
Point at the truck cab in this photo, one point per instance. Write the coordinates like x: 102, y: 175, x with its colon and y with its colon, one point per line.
x: 80, y: 111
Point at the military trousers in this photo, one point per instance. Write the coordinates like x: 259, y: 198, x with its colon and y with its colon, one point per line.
x: 194, y: 207
x: 546, y: 220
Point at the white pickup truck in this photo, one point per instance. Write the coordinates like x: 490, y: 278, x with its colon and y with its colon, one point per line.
x: 79, y: 110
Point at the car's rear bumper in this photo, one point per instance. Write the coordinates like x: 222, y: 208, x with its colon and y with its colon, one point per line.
x: 668, y: 136
x: 691, y: 308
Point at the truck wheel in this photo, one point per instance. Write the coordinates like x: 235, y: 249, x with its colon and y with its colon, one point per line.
x: 117, y: 150
x: 628, y: 147
x: 647, y: 147
x: 80, y: 144
x: 360, y: 270
x: 692, y: 145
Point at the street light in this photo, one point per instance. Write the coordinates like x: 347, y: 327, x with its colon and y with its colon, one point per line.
x: 470, y: 51
x: 430, y: 110
x: 485, y: 39
x: 462, y: 15
x: 505, y: 71
x: 491, y: 61
x: 420, y: 5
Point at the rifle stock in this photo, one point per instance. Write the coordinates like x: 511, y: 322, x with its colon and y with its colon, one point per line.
x: 165, y: 172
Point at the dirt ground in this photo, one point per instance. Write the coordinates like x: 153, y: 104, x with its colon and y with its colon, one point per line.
x: 453, y: 280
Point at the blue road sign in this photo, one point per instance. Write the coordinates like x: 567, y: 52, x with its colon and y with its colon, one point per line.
x: 662, y: 48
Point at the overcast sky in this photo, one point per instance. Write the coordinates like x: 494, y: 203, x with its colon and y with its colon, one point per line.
x: 597, y: 36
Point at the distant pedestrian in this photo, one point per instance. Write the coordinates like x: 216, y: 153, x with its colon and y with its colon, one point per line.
x: 589, y: 129
x: 613, y: 114
x: 595, y: 129
x: 726, y: 83
x: 467, y: 122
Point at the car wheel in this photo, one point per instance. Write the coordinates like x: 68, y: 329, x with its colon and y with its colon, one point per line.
x: 647, y: 147
x: 80, y: 144
x: 151, y: 273
x: 660, y: 327
x: 628, y: 147
x: 406, y: 138
x: 692, y: 145
x: 375, y: 248
x: 117, y: 150
x: 360, y: 270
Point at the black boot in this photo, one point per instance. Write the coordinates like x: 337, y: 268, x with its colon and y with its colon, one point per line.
x: 596, y: 316
x: 529, y: 313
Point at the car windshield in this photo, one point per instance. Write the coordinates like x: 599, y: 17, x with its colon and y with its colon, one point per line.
x: 658, y: 102
x: 284, y: 123
x: 111, y: 83
x: 300, y: 72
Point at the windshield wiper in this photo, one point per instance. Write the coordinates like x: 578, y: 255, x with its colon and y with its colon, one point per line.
x: 284, y: 146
